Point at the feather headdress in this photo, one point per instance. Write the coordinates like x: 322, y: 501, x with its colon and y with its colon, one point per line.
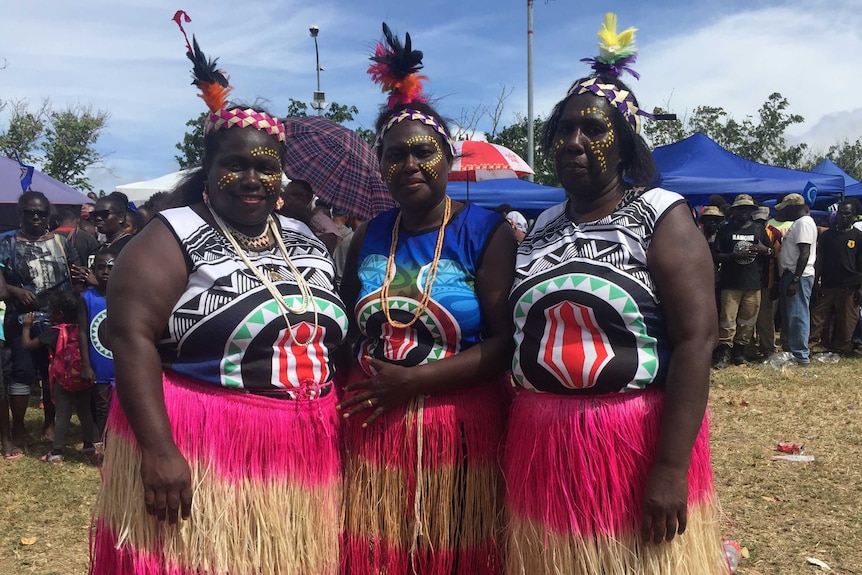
x: 396, y: 68
x: 616, y: 51
x: 211, y: 81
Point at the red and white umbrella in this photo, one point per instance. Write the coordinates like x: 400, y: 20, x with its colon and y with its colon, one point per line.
x: 477, y: 161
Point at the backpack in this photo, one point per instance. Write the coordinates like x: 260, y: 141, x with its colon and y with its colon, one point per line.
x: 65, y: 366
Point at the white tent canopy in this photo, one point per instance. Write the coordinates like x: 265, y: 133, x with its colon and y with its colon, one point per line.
x: 140, y: 192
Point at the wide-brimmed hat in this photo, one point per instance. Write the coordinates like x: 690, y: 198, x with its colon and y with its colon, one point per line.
x: 743, y: 200
x: 790, y: 200
x: 711, y: 212
x: 761, y: 213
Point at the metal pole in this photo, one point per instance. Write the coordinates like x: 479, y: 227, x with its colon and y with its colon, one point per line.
x: 317, y: 61
x: 530, y: 135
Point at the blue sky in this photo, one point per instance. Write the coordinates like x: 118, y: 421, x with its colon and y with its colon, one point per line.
x: 128, y: 58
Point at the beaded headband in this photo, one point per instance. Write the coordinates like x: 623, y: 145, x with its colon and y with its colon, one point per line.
x: 214, y: 87
x: 616, y: 53
x: 410, y: 114
x: 396, y: 68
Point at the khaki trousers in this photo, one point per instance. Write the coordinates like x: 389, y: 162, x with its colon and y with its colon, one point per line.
x: 738, y: 315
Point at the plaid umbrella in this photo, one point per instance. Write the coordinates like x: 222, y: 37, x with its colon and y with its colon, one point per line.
x: 477, y: 161
x: 340, y: 166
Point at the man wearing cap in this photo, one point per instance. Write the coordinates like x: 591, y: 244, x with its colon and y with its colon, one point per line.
x: 518, y: 223
x: 740, y: 247
x: 765, y: 328
x: 711, y: 220
x: 796, y: 268
x: 838, y: 281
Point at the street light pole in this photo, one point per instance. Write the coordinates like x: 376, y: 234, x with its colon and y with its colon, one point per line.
x: 319, y: 100
x: 530, y: 135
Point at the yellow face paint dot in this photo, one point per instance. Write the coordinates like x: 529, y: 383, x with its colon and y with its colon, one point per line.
x: 226, y: 179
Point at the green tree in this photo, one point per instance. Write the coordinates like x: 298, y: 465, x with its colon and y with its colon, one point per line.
x: 759, y: 139
x: 847, y: 155
x: 514, y: 137
x: 25, y: 130
x: 69, y: 144
x: 192, y: 147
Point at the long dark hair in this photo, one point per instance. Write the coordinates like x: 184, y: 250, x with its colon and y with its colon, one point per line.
x: 636, y: 161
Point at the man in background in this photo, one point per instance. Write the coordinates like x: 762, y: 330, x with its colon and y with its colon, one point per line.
x: 796, y: 268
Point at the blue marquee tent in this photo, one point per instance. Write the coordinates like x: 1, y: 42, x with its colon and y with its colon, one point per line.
x: 827, y: 166
x: 526, y: 197
x: 697, y: 167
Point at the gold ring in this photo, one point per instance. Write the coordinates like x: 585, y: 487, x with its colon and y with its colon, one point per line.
x: 370, y: 402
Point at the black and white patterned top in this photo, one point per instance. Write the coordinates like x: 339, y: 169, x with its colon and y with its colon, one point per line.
x: 227, y: 330
x: 588, y: 318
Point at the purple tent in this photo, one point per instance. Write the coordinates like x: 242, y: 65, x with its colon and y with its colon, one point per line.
x: 56, y: 192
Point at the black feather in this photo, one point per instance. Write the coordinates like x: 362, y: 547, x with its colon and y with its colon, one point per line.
x: 403, y: 60
x: 204, y: 70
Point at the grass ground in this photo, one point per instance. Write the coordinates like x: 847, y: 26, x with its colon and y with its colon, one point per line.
x: 782, y: 512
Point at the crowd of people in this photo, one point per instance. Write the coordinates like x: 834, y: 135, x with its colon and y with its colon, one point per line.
x: 441, y: 389
x: 788, y: 272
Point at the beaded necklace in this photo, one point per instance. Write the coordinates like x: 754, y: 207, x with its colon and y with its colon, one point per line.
x: 304, y: 290
x: 431, y: 276
x: 259, y: 242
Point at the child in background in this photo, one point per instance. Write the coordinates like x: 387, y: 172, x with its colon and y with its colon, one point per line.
x: 68, y: 389
x: 97, y: 361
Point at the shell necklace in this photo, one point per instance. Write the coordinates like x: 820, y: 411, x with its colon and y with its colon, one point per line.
x: 431, y: 276
x: 304, y: 290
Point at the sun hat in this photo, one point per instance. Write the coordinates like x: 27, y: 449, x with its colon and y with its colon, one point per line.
x: 711, y: 212
x: 743, y: 200
x: 518, y: 220
x: 761, y: 213
x: 790, y: 200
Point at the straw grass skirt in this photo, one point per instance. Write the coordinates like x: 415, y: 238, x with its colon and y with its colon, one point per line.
x: 423, y: 487
x: 575, y: 470
x: 266, y: 479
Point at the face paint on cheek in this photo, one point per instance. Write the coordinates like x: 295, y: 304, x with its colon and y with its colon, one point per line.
x: 428, y: 167
x: 558, y: 145
x: 271, y: 183
x: 598, y: 147
x: 226, y: 180
x: 390, y: 173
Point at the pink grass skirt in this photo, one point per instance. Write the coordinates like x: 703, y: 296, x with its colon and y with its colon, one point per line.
x: 266, y: 476
x: 575, y: 469
x: 456, y: 526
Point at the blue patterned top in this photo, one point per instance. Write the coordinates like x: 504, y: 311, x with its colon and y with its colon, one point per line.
x: 101, y: 358
x: 453, y: 320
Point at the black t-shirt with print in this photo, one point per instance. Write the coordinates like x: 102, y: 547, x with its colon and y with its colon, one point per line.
x: 742, y: 272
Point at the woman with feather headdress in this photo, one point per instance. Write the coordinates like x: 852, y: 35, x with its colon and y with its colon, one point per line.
x: 607, y: 455
x: 222, y: 452
x: 424, y: 405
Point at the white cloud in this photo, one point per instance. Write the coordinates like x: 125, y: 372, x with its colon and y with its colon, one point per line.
x: 127, y: 58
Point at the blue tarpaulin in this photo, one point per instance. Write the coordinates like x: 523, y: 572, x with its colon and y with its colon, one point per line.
x: 526, y: 197
x: 697, y: 167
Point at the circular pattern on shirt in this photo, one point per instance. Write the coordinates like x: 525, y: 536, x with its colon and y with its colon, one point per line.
x: 743, y: 258
x: 583, y: 331
x: 434, y: 336
x: 99, y: 333
x: 260, y: 353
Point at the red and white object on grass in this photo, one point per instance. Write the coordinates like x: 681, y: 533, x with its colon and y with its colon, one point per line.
x: 478, y: 161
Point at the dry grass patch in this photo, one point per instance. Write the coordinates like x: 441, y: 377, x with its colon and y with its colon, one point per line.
x: 781, y: 511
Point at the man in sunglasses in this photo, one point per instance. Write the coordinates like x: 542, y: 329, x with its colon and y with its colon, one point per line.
x: 35, y: 264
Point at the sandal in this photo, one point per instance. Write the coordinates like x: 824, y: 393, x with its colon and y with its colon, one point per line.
x: 15, y: 453
x: 52, y: 458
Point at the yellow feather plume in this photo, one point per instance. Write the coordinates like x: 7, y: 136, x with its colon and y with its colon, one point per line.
x: 613, y: 46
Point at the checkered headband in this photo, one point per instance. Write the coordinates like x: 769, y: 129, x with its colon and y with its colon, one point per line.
x: 245, y: 118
